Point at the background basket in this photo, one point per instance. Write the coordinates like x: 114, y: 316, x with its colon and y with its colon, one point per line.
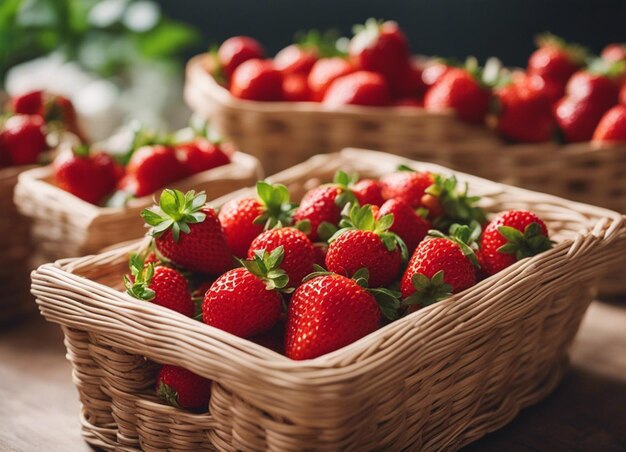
x: 16, y: 251
x: 437, y: 379
x: 282, y: 134
x: 64, y: 225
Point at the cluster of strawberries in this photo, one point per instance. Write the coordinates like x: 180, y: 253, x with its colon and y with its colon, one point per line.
x: 151, y: 163
x: 315, y: 277
x: 30, y: 118
x: 564, y: 93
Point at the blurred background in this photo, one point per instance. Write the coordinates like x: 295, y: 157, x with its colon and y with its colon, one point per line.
x: 118, y: 59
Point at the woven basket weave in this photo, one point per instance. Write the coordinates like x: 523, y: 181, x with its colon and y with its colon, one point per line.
x: 437, y: 379
x: 282, y: 134
x: 64, y: 225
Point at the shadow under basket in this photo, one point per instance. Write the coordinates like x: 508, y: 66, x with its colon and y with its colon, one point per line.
x: 64, y: 225
x: 438, y: 378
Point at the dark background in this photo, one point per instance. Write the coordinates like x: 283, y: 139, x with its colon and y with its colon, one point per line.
x: 451, y: 28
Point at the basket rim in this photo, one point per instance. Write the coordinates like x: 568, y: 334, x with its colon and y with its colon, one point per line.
x: 36, y: 177
x: 252, y: 355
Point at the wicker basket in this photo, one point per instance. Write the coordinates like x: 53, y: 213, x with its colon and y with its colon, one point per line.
x: 437, y: 379
x: 282, y: 134
x: 16, y: 251
x: 64, y: 225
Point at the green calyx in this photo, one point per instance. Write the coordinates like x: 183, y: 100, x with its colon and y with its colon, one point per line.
x: 362, y: 219
x: 577, y: 53
x: 176, y: 211
x: 428, y: 290
x: 465, y: 237
x: 457, y: 205
x: 168, y: 394
x: 324, y: 43
x: 142, y: 274
x: 81, y: 150
x: 278, y: 209
x: 610, y: 69
x: 266, y: 266
x: 371, y: 27
x: 343, y: 181
x: 388, y: 300
x: 141, y: 136
x: 216, y: 69
x: 529, y: 243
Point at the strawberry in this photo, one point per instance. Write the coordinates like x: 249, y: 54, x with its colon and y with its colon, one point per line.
x: 357, y: 88
x: 151, y: 168
x: 545, y: 87
x: 295, y: 59
x: 461, y: 91
x: 182, y: 388
x: 612, y: 126
x: 440, y: 266
x: 511, y: 236
x: 614, y: 52
x: 407, y: 223
x: 257, y: 80
x: 330, y: 311
x: 201, y: 155
x: 447, y: 204
x: 237, y: 50
x: 30, y: 103
x: 23, y: 138
x: 409, y: 83
x: 245, y: 218
x: 320, y: 249
x: 246, y: 301
x: 321, y: 206
x: 299, y: 255
x: 408, y: 102
x: 368, y: 191
x: 273, y: 339
x: 434, y: 71
x: 87, y: 175
x: 524, y: 113
x: 202, y: 245
x: 324, y: 72
x: 365, y: 242
x: 556, y: 60
x: 295, y: 88
x: 160, y: 285
x: 381, y: 48
x: 622, y: 95
x: 407, y: 185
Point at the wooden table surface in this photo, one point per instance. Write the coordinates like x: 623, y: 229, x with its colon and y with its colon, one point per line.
x: 587, y: 412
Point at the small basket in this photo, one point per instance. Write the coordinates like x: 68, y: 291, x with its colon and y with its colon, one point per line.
x: 436, y: 379
x: 16, y: 251
x: 282, y: 134
x: 64, y: 225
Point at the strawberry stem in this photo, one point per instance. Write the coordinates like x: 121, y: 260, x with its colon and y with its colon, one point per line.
x: 176, y: 211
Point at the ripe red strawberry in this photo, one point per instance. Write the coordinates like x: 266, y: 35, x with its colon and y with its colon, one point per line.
x: 364, y: 242
x: 462, y: 92
x: 299, y: 255
x: 447, y: 204
x: 182, y: 388
x: 368, y: 191
x: 622, y: 95
x: 235, y: 51
x: 614, y: 52
x: 331, y: 311
x: 320, y: 249
x: 548, y: 88
x: 87, y: 175
x: 612, y: 126
x: 257, y: 80
x: 246, y: 301
x: 246, y: 218
x: 381, y: 48
x: 22, y: 139
x: 30, y: 103
x: 555, y: 59
x: 324, y: 72
x: 509, y: 237
x: 407, y: 224
x: 358, y: 88
x: 407, y: 185
x: 296, y: 89
x: 202, y: 245
x: 151, y: 168
x: 434, y: 72
x: 524, y: 113
x: 160, y: 285
x: 440, y: 266
x: 296, y: 59
x: 201, y: 155
x: 409, y: 83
